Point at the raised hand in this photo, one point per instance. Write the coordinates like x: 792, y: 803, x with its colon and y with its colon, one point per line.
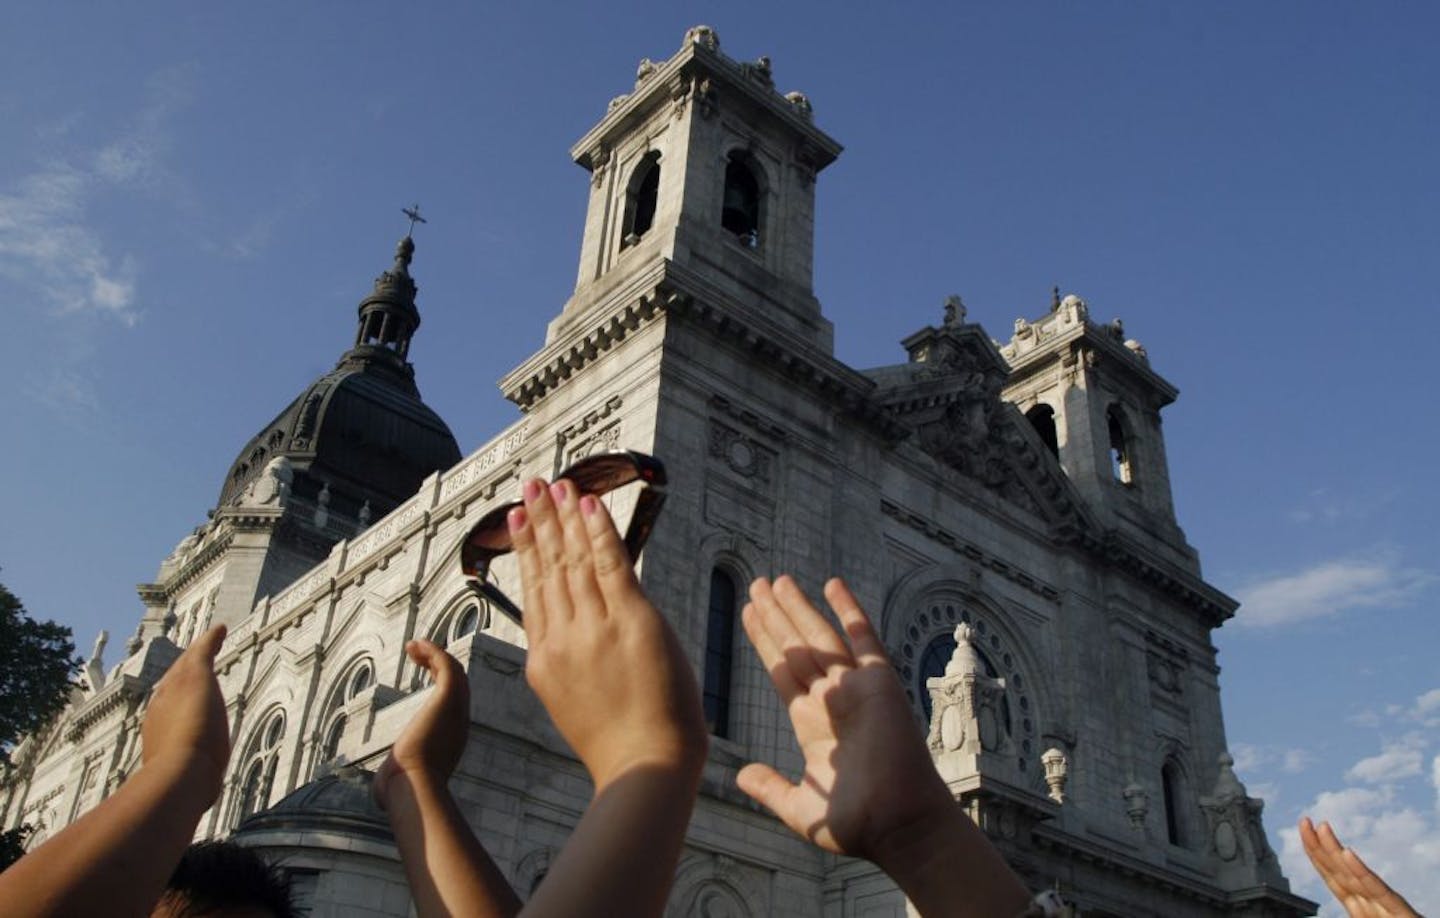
x: 867, y: 774
x: 432, y: 742
x: 185, y: 725
x: 869, y: 789
x: 606, y: 665
x: 1358, y: 888
x: 450, y: 872
x: 114, y: 860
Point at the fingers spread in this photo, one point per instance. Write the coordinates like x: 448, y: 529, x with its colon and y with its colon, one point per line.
x: 771, y: 656
x: 818, y: 633
x: 795, y: 650
x: 868, y: 647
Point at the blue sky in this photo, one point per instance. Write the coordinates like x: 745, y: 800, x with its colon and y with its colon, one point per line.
x: 192, y: 203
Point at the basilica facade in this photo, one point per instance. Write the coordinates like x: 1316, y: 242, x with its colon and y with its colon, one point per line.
x: 1002, y: 508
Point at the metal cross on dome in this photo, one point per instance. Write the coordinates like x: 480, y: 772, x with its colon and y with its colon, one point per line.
x: 413, y: 212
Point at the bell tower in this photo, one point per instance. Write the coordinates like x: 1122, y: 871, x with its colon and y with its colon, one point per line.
x: 1093, y: 398
x: 705, y: 171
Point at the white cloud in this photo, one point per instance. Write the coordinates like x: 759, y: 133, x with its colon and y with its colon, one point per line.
x: 1295, y: 761
x: 1426, y: 709
x: 1251, y: 758
x: 1329, y: 589
x: 49, y: 246
x: 1386, y: 819
x: 1392, y: 764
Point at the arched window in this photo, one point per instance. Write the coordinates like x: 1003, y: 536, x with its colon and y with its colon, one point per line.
x: 259, y: 764
x: 641, y: 196
x: 335, y: 717
x: 1121, y: 462
x: 719, y: 645
x: 1172, y: 783
x: 1042, y: 418
x: 740, y: 212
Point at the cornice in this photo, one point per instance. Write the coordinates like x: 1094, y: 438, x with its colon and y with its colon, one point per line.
x: 963, y: 546
x: 675, y: 80
x: 1214, y: 606
x: 161, y: 593
x: 121, y: 689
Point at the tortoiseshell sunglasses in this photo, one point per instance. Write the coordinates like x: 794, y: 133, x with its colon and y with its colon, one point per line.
x: 595, y: 475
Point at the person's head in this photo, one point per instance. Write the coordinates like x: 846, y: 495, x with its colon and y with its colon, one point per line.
x: 224, y: 880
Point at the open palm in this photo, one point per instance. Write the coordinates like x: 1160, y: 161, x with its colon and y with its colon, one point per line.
x: 867, y: 776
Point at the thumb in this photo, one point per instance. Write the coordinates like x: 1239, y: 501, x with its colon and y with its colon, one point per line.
x: 209, y: 643
x: 767, y: 787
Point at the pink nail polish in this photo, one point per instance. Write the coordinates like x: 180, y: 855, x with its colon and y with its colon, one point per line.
x: 532, y: 490
x: 588, y: 505
x: 515, y: 519
x: 559, y: 492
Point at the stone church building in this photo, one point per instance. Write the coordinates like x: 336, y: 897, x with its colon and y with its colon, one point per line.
x: 1002, y: 508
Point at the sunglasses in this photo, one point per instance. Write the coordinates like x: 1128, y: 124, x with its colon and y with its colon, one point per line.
x: 595, y: 475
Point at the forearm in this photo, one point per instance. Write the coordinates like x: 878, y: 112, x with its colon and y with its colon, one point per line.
x: 450, y: 872
x: 116, y: 859
x: 948, y: 867
x: 621, y: 858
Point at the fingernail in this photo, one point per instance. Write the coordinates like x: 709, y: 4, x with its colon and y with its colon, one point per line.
x: 588, y: 505
x: 515, y: 519
x: 559, y: 491
x: 532, y: 490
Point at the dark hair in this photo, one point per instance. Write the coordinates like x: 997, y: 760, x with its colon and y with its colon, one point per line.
x: 213, y: 875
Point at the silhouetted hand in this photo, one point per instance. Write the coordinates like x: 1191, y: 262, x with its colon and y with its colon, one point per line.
x: 868, y: 778
x: 185, y: 725
x: 1358, y: 888
x: 431, y: 745
x: 870, y: 789
x: 606, y: 665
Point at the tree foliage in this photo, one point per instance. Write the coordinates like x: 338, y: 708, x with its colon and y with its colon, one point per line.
x: 37, y: 664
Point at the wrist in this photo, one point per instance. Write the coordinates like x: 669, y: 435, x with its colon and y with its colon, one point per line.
x: 680, y: 764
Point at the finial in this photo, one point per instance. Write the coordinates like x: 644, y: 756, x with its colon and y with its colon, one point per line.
x: 413, y: 212
x: 954, y: 310
x: 1055, y: 298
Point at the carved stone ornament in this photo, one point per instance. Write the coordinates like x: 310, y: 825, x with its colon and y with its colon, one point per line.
x: 1057, y: 770
x: 965, y: 703
x: 644, y: 71
x: 801, y: 104
x: 1237, y: 834
x: 703, y: 36
x: 743, y: 455
x: 1137, y: 805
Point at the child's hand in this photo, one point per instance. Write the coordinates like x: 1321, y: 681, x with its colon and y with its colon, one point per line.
x: 606, y: 665
x: 430, y: 747
x: 1358, y: 888
x: 185, y: 725
x: 868, y: 780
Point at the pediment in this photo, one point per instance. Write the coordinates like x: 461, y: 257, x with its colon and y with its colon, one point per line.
x: 949, y: 396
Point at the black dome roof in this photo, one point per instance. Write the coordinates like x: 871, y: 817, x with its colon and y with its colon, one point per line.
x: 361, y: 428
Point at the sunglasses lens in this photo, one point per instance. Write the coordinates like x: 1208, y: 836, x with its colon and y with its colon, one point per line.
x: 488, y: 538
x: 601, y: 474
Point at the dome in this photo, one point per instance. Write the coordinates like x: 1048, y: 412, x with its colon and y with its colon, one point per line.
x: 336, y: 802
x: 362, y: 428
